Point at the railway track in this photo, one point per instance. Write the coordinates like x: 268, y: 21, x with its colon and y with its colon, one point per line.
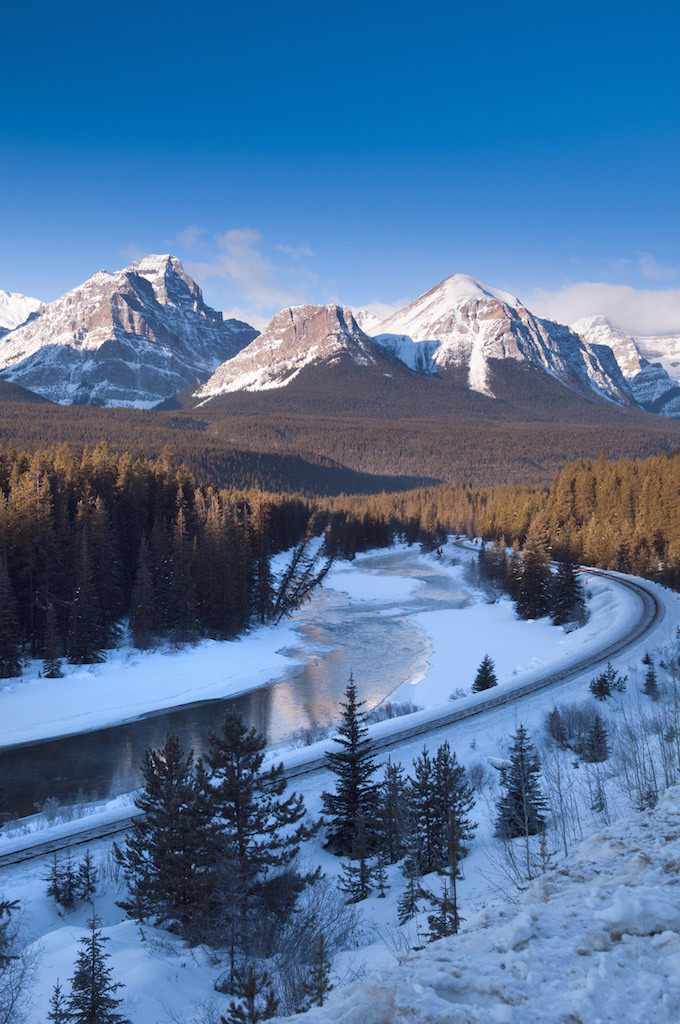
x: 649, y: 615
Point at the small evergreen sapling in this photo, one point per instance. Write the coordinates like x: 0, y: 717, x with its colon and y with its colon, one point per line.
x: 92, y: 999
x: 317, y: 985
x: 650, y: 687
x: 257, y: 999
x: 607, y: 683
x: 58, y: 1011
x: 486, y: 676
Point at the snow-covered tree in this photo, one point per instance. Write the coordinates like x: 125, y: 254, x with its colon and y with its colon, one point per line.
x: 93, y: 997
x: 522, y: 807
x: 486, y: 675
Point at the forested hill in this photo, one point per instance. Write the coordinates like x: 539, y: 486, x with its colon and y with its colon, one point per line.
x: 89, y: 537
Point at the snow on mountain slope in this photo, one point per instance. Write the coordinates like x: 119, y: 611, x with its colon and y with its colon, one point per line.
x: 463, y: 323
x: 597, y: 939
x: 649, y: 383
x: 130, y: 338
x: 297, y: 337
x: 366, y: 320
x: 665, y: 350
x: 15, y: 309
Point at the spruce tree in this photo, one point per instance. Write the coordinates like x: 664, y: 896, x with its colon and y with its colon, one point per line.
x: 445, y: 920
x: 650, y: 686
x: 92, y: 999
x: 358, y: 873
x: 51, y: 662
x: 58, y: 1011
x: 87, y: 877
x: 144, y: 617
x: 356, y: 795
x: 453, y: 798
x: 423, y: 813
x: 568, y: 598
x: 595, y: 746
x: 486, y: 675
x: 257, y: 999
x: 168, y: 852
x: 408, y: 905
x: 535, y: 584
x: 86, y: 635
x: 522, y: 807
x: 392, y: 815
x: 10, y: 645
x: 258, y: 830
x: 317, y: 984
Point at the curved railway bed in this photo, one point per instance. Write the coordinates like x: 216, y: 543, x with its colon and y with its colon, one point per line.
x: 650, y: 612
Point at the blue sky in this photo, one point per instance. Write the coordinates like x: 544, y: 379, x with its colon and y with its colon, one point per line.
x: 359, y: 153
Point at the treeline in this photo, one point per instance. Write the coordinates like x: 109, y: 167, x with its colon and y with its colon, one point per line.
x: 622, y: 515
x: 89, y: 537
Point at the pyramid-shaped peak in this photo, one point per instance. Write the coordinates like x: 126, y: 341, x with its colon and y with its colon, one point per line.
x: 155, y: 264
x: 462, y: 286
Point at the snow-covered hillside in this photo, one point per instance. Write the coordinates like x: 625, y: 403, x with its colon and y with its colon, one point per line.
x: 130, y: 338
x: 597, y: 939
x: 664, y: 349
x: 648, y: 381
x: 462, y: 323
x: 297, y: 337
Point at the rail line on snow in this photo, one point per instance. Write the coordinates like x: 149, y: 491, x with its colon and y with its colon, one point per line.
x: 650, y: 612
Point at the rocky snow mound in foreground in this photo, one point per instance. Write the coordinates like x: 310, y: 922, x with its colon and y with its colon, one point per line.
x: 596, y: 940
x: 297, y: 337
x: 463, y: 323
x: 132, y: 338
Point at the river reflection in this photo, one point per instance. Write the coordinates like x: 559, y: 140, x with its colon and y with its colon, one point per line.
x: 374, y: 639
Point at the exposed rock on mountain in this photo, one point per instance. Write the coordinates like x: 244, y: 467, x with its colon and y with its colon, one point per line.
x: 130, y: 338
x: 665, y: 350
x: 296, y: 338
x: 464, y: 324
x: 649, y: 383
x: 15, y: 309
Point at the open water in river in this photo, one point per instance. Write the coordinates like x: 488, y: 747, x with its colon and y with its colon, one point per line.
x: 375, y: 640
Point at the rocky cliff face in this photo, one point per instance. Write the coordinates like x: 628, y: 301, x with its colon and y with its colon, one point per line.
x: 296, y: 338
x: 131, y: 338
x: 648, y: 382
x: 464, y: 324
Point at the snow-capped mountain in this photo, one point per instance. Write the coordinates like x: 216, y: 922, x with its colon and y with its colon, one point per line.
x: 649, y: 383
x: 131, y: 338
x: 464, y: 324
x: 664, y: 349
x: 366, y: 320
x: 296, y: 338
x: 15, y: 309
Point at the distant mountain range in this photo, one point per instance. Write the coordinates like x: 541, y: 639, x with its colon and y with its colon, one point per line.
x: 141, y: 336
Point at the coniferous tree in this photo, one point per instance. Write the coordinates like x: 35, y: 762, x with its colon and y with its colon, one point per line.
x: 535, y: 583
x: 258, y: 1001
x: 486, y: 675
x: 409, y: 902
x: 423, y: 814
x: 392, y: 816
x: 453, y: 800
x: 86, y: 637
x: 10, y: 646
x: 607, y: 683
x: 358, y: 873
x: 258, y: 830
x: 356, y: 795
x: 595, y: 746
x: 650, y: 686
x: 87, y: 877
x: 92, y: 999
x: 58, y: 1011
x: 568, y: 598
x: 51, y: 661
x: 144, y: 618
x: 522, y: 807
x: 317, y: 984
x: 445, y: 920
x: 168, y: 853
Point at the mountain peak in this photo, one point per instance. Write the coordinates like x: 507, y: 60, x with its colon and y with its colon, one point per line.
x: 462, y: 286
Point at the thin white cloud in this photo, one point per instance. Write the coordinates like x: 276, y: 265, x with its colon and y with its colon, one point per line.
x: 191, y: 237
x: 296, y: 251
x: 653, y: 270
x: 252, y: 282
x: 131, y: 253
x: 638, y: 311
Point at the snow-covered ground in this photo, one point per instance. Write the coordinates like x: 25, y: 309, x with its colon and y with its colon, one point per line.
x: 597, y: 939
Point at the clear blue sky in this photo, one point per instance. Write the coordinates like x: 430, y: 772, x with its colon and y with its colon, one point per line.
x: 357, y: 152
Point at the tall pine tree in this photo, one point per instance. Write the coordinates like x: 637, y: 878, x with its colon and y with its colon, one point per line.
x: 10, y: 647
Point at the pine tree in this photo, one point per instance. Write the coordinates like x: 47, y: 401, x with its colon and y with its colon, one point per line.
x: 353, y: 765
x: 51, y: 663
x: 568, y: 599
x: 168, y: 852
x: 392, y: 815
x: 86, y: 636
x: 408, y: 905
x: 650, y: 687
x: 445, y: 920
x: 521, y: 809
x: 87, y: 877
x: 258, y: 830
x: 423, y: 814
x: 535, y: 583
x: 607, y: 682
x: 453, y: 798
x: 595, y: 747
x: 58, y: 1012
x: 358, y: 873
x: 486, y: 676
x: 10, y: 646
x: 317, y: 984
x: 92, y: 999
x: 144, y: 617
x: 258, y: 1001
